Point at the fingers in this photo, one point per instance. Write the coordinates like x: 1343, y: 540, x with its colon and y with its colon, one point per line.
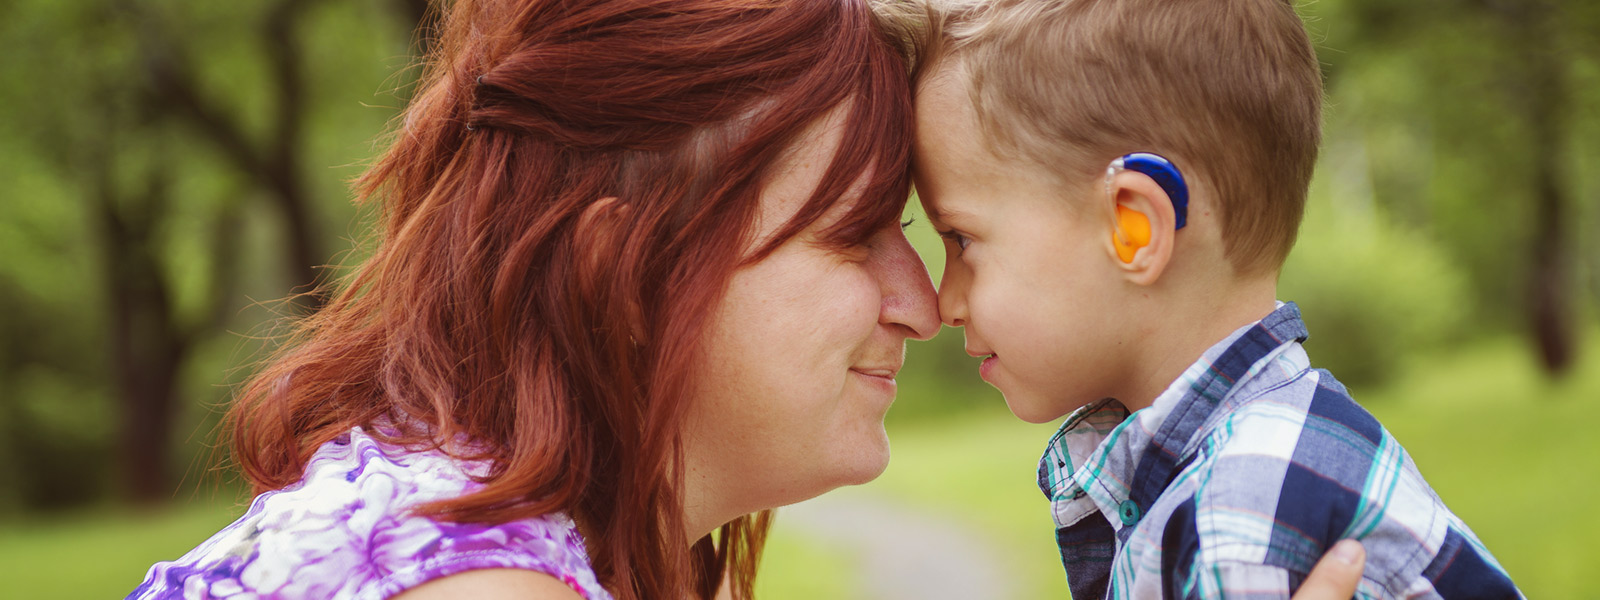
x: 1337, y: 574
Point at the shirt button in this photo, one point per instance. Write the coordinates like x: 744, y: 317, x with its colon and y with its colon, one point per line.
x: 1129, y: 510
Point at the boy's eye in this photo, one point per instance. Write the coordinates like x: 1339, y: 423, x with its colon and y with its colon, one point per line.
x: 959, y: 240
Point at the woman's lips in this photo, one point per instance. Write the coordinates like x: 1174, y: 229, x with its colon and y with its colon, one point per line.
x: 880, y: 375
x: 987, y: 367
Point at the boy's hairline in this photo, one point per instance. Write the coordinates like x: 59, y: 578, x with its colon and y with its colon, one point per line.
x: 998, y: 140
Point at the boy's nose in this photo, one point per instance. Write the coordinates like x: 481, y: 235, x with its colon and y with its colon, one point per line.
x: 908, y: 297
x: 953, y: 295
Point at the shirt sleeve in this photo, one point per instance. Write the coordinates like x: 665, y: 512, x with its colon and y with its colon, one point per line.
x: 419, y: 550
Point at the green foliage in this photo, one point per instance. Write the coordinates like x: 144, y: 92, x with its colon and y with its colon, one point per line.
x: 61, y: 453
x: 161, y: 121
x: 1467, y: 112
x: 1373, y: 293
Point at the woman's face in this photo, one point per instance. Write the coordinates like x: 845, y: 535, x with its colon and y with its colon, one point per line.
x: 800, y: 358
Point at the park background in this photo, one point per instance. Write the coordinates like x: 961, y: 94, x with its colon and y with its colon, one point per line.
x: 174, y: 168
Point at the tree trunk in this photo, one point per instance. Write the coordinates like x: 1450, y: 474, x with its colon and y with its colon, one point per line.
x: 147, y: 346
x: 146, y: 371
x: 1542, y: 99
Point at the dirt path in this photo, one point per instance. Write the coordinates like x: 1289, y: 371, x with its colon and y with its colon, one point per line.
x: 905, y: 554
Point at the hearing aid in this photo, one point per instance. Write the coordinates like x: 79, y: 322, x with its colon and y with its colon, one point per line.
x: 1133, y: 233
x: 1133, y: 228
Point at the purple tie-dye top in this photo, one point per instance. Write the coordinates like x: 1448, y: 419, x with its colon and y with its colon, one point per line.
x: 344, y: 531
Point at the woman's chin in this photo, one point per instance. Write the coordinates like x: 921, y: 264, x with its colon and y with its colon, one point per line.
x: 869, y: 464
x: 862, y: 468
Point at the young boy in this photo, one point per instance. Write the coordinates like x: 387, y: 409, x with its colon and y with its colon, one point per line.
x: 1118, y: 183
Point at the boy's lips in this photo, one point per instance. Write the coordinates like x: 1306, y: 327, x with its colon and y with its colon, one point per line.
x: 987, y: 367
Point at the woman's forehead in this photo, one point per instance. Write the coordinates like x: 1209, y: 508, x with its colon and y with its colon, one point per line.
x: 812, y: 150
x: 799, y: 171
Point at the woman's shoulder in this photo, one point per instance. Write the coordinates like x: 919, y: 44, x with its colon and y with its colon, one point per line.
x: 346, y: 530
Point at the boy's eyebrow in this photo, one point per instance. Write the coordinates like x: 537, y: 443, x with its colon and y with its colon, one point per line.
x: 942, y: 214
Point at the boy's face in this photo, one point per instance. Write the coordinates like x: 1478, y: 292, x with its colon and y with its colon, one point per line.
x: 1028, y: 273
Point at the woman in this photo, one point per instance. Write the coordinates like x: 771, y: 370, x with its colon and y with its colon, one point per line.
x: 639, y: 279
x: 630, y: 288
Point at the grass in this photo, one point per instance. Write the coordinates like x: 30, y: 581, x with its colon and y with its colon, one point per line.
x: 100, y: 555
x: 1511, y: 453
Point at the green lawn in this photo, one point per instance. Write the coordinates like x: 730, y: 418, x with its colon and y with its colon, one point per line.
x: 1513, y: 454
x: 1510, y: 452
x: 99, y: 555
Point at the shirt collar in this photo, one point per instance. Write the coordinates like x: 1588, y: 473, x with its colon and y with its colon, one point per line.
x: 1102, y: 461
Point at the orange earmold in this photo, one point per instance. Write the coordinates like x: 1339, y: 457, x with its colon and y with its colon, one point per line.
x: 1133, y: 233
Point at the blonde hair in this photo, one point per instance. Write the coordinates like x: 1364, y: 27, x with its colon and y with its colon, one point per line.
x: 1230, y: 90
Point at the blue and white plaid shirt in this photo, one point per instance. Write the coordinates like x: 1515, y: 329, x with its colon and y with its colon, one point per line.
x: 1237, y: 480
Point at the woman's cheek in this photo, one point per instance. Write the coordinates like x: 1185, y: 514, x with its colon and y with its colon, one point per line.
x: 865, y: 302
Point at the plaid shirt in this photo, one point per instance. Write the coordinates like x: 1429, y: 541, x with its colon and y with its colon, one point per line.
x: 1237, y: 480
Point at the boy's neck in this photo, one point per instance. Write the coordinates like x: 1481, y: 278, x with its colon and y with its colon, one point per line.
x: 1182, y: 331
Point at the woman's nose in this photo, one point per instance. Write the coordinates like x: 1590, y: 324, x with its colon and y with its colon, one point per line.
x: 908, y: 297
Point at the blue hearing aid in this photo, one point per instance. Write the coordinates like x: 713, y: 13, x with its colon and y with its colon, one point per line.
x: 1165, y: 175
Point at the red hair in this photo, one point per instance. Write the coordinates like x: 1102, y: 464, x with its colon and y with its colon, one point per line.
x: 509, y: 304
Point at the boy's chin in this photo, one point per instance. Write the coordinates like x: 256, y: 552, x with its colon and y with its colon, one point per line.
x: 1035, y: 408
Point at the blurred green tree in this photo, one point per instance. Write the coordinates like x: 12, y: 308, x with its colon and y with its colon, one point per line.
x: 171, y: 123
x: 1478, y: 119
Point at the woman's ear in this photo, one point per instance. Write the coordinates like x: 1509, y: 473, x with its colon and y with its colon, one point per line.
x: 1143, y: 227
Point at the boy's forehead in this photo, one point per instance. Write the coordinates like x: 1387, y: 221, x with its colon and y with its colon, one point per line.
x: 953, y: 148
x: 944, y: 93
x: 948, y: 150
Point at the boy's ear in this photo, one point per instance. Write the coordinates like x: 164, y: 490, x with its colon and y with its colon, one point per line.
x: 1143, y: 226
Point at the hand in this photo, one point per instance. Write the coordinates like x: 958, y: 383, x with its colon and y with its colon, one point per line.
x: 1337, y: 574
